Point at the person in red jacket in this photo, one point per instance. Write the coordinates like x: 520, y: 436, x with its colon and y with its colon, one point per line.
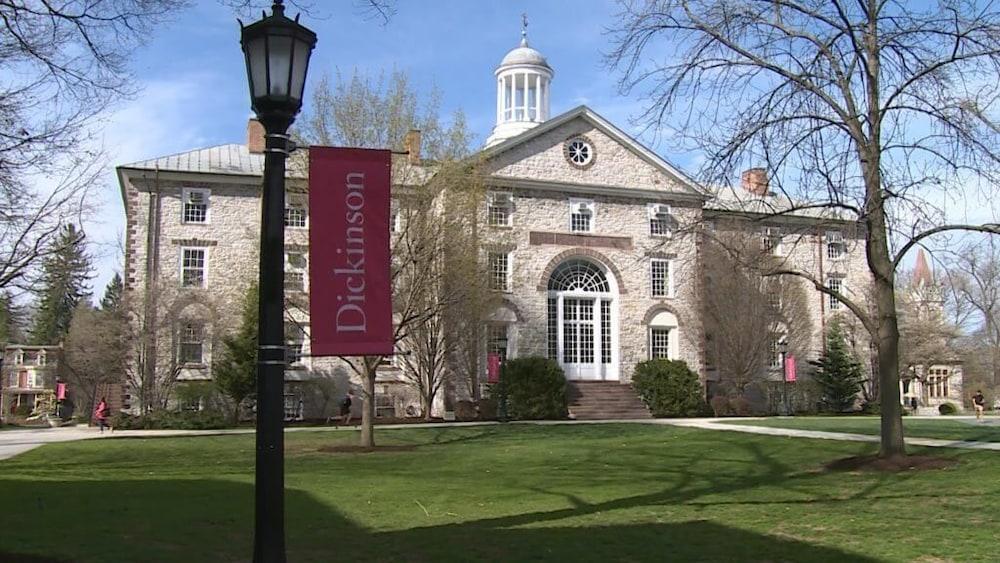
x: 101, y: 415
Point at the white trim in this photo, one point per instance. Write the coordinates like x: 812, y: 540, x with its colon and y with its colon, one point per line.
x: 668, y: 289
x: 180, y: 264
x: 578, y: 206
x: 185, y: 198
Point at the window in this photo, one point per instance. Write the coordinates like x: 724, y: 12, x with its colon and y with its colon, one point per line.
x: 193, y: 267
x: 295, y: 343
x: 774, y: 351
x: 497, y: 340
x: 499, y: 271
x: 384, y: 405
x: 774, y: 300
x: 553, y: 328
x: 499, y: 207
x: 659, y: 220
x: 660, y: 278
x: 395, y: 219
x: 295, y: 271
x: 581, y: 216
x: 663, y: 337
x: 835, y: 248
x: 579, y: 152
x: 295, y: 215
x: 835, y: 284
x: 771, y: 240
x: 937, y: 382
x: 195, y: 205
x: 659, y: 343
x: 192, y: 339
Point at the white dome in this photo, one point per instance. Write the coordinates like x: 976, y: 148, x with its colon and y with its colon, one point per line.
x: 524, y: 55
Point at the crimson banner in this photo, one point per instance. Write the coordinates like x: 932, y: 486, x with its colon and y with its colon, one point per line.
x: 790, y: 369
x: 350, y: 291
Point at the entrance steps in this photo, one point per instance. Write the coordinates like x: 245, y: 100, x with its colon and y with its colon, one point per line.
x: 604, y: 400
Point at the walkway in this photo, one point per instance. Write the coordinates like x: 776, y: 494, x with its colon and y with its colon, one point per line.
x: 14, y: 442
x: 717, y: 424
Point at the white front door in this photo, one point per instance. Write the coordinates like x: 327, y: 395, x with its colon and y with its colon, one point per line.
x: 585, y: 338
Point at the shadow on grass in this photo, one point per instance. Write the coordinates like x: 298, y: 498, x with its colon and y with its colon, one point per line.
x: 210, y: 520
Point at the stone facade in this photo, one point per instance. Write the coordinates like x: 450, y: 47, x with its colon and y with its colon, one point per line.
x: 577, y: 193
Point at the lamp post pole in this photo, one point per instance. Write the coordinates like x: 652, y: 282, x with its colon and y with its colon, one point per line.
x: 783, y: 348
x: 269, y: 521
x: 277, y: 51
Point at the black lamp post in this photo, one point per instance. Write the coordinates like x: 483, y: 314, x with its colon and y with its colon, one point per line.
x: 783, y: 348
x: 277, y: 53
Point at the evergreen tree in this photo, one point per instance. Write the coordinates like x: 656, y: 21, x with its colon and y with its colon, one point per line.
x: 235, y: 372
x: 838, y: 372
x: 11, y: 319
x: 64, y: 284
x: 112, y: 300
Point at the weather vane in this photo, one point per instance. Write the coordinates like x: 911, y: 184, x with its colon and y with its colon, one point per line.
x: 524, y: 25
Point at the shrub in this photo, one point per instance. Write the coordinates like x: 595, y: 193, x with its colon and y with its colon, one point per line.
x: 720, y: 405
x: 170, y: 420
x: 534, y: 388
x: 487, y: 408
x: 873, y: 407
x: 23, y: 410
x: 741, y: 406
x: 947, y: 409
x: 669, y: 388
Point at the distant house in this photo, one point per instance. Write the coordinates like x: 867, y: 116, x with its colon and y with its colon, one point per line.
x: 28, y: 376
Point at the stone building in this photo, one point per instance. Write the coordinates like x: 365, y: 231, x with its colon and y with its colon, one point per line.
x: 592, y: 240
x: 26, y: 378
x: 934, y: 374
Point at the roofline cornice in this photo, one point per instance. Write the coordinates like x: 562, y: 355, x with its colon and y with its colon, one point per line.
x: 711, y: 213
x: 591, y: 189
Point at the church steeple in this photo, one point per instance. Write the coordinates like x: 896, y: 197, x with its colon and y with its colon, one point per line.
x: 523, y: 79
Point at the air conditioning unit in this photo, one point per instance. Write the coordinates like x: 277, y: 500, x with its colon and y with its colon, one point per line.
x: 658, y: 210
x: 834, y: 236
x: 501, y: 198
x: 582, y: 207
x: 197, y: 198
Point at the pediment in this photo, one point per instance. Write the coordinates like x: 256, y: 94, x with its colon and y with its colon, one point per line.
x: 618, y: 161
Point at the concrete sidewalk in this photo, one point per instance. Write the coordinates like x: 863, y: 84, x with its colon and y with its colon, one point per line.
x: 717, y: 424
x: 14, y: 442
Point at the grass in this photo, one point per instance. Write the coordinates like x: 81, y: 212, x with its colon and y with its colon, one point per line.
x: 942, y: 428
x: 499, y: 493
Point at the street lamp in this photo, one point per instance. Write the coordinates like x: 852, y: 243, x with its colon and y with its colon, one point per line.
x: 277, y: 53
x: 783, y: 349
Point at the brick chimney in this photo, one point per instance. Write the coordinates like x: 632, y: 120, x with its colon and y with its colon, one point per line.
x: 754, y: 180
x: 411, y: 144
x: 255, y: 136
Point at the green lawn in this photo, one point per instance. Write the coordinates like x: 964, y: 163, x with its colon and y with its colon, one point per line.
x: 941, y: 428
x: 500, y: 493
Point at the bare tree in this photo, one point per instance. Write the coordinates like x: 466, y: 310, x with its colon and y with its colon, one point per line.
x: 94, y: 353
x: 866, y: 109
x: 974, y: 280
x: 379, y: 113
x: 747, y: 313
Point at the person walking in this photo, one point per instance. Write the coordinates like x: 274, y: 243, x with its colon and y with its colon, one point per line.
x: 101, y: 415
x: 979, y: 403
x: 345, y: 409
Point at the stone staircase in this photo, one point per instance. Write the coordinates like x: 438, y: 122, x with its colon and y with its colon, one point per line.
x: 604, y: 400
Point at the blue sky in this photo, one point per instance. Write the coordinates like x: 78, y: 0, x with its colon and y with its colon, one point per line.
x: 194, y: 93
x: 193, y: 80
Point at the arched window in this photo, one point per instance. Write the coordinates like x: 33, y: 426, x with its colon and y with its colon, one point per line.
x: 579, y: 275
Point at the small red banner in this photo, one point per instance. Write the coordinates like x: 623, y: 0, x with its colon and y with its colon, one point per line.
x: 350, y: 295
x: 60, y: 391
x: 790, y: 368
x: 493, y: 368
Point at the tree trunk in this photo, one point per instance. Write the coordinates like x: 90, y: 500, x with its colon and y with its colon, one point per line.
x: 368, y: 406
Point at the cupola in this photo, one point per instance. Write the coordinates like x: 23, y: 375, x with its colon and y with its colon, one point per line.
x: 523, y: 79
